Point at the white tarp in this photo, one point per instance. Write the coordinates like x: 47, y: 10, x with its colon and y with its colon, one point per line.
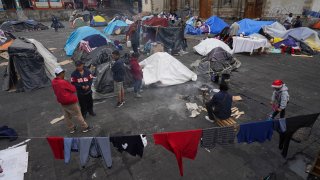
x: 205, y: 46
x: 259, y: 36
x: 50, y: 61
x: 15, y: 163
x: 162, y: 67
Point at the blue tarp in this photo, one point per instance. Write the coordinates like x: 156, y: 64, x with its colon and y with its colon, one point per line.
x: 216, y: 24
x: 190, y: 29
x: 111, y: 26
x: 311, y: 13
x: 249, y: 26
x: 79, y: 34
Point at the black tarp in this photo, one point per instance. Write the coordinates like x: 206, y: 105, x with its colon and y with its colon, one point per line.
x: 26, y: 69
x: 171, y: 37
x: 18, y: 26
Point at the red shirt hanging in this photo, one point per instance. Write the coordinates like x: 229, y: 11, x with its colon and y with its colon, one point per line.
x: 57, y: 146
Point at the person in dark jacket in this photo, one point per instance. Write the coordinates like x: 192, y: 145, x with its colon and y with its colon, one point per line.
x: 135, y: 38
x: 82, y: 78
x: 219, y: 107
x: 297, y: 23
x: 65, y: 93
x: 118, y: 77
x: 136, y: 73
x: 55, y: 23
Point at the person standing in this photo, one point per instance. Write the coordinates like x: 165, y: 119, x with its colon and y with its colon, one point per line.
x: 82, y: 78
x: 219, y: 107
x: 118, y: 77
x: 234, y: 28
x: 135, y: 37
x: 55, y: 23
x: 297, y: 22
x: 288, y: 21
x: 136, y: 73
x: 280, y: 98
x: 65, y: 93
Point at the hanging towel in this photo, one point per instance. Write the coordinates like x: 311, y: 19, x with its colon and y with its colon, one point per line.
x: 293, y: 124
x: 95, y: 147
x: 134, y: 145
x: 182, y: 144
x: 70, y: 145
x: 280, y: 125
x: 255, y: 131
x: 10, y: 133
x: 220, y: 135
x: 56, y: 144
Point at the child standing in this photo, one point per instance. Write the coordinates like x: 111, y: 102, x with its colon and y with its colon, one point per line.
x: 279, y: 99
x: 136, y: 73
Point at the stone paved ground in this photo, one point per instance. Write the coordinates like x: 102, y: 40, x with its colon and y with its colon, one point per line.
x: 159, y: 111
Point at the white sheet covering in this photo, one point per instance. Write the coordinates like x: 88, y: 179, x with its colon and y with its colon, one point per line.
x: 205, y: 46
x: 50, y: 61
x: 162, y: 67
x: 15, y: 163
x: 241, y: 44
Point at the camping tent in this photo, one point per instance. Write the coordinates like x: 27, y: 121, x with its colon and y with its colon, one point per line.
x: 171, y: 37
x: 249, y: 26
x: 98, y: 21
x: 191, y: 29
x: 6, y: 39
x: 18, y: 26
x: 29, y: 68
x: 205, y: 46
x: 165, y: 70
x: 316, y: 25
x: 78, y: 35
x: 304, y: 34
x: 78, y: 22
x: 115, y: 25
x: 216, y: 24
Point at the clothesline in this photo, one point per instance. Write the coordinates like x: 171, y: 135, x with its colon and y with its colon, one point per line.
x: 147, y: 134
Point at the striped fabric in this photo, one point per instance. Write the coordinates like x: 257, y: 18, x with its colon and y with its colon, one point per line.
x: 84, y: 46
x: 218, y: 135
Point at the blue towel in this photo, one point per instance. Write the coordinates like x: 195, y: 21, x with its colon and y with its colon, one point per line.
x: 255, y: 131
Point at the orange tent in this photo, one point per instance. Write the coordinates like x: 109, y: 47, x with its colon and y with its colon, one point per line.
x: 316, y: 25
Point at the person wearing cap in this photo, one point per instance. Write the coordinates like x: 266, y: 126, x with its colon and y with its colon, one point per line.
x: 82, y: 78
x: 65, y: 93
x: 219, y: 107
x: 280, y: 98
x: 118, y: 73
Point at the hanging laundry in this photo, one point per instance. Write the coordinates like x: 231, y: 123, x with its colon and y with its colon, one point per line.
x: 95, y: 147
x: 218, y: 135
x: 255, y: 131
x: 56, y: 144
x: 182, y: 144
x: 293, y: 124
x: 280, y: 125
x: 70, y: 145
x: 134, y: 145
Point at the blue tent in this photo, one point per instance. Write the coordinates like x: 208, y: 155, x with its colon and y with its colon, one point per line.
x: 112, y: 25
x: 249, y: 26
x: 79, y: 34
x: 216, y: 24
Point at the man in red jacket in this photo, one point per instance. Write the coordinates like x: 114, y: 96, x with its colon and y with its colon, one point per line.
x: 65, y: 93
x: 136, y: 73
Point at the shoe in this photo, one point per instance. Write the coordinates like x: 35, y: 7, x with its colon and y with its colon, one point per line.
x: 89, y: 128
x: 138, y: 95
x: 208, y: 119
x: 92, y: 113
x: 119, y: 104
x: 73, y: 130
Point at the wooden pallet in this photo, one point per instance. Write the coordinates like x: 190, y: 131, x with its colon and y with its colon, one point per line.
x: 316, y: 167
x: 226, y: 122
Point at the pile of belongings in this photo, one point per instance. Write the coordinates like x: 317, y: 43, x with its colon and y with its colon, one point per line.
x: 30, y: 67
x: 207, y: 45
x: 116, y: 27
x: 18, y: 26
x: 303, y: 38
x: 213, y: 25
x: 6, y: 39
x: 162, y: 69
x: 158, y: 30
x: 218, y: 62
x: 89, y: 43
x: 98, y: 21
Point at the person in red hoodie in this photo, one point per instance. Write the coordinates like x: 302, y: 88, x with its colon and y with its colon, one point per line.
x: 136, y: 73
x: 65, y: 93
